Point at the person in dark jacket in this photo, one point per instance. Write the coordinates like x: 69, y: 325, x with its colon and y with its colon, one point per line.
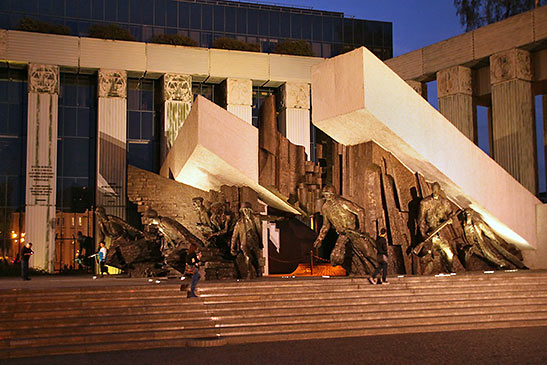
x: 193, y: 260
x: 26, y: 252
x: 381, y: 247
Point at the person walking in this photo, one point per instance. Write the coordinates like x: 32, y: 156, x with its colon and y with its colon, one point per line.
x: 193, y: 260
x: 102, y: 258
x: 26, y: 252
x: 381, y: 247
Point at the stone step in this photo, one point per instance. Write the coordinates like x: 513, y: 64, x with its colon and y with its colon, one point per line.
x: 177, y: 314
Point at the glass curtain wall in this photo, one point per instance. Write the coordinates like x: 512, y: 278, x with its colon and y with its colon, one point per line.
x: 13, y: 145
x: 76, y: 152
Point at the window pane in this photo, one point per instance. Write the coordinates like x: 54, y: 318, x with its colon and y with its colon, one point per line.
x: 274, y: 24
x: 358, y: 33
x: 134, y: 125
x: 97, y: 10
x: 84, y: 9
x: 159, y: 12
x: 58, y: 7
x: 348, y: 30
x: 172, y: 13
x: 230, y: 25
x: 4, y: 113
x: 338, y: 30
x: 123, y: 11
x: 285, y: 25
x: 110, y: 8
x: 252, y: 21
x: 147, y: 125
x: 195, y: 16
x: 15, y: 119
x: 219, y: 18
x: 317, y: 28
x: 75, y: 157
x: 296, y: 26
x: 327, y: 29
x: 263, y: 23
x: 206, y: 17
x: 83, y: 122
x: 184, y: 15
x: 306, y: 27
x: 72, y: 9
x: 10, y: 147
x: 69, y: 122
x: 241, y: 20
x: 148, y: 12
x: 25, y: 6
x: 133, y: 99
x: 135, y: 11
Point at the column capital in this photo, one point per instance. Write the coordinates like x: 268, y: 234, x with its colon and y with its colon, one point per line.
x: 239, y: 91
x: 43, y: 78
x: 177, y: 87
x: 509, y: 65
x: 112, y: 83
x: 295, y: 95
x: 454, y: 80
x: 419, y: 87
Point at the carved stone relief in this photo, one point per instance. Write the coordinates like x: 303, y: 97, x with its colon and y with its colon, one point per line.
x: 177, y: 87
x: 454, y: 80
x: 239, y: 91
x: 295, y: 95
x: 418, y: 86
x: 43, y: 78
x: 112, y: 84
x: 509, y: 65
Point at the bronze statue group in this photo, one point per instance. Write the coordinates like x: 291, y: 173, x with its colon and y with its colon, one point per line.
x: 231, y: 247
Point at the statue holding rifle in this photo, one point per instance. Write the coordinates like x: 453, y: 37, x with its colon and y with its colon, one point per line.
x: 435, y: 213
x: 348, y: 219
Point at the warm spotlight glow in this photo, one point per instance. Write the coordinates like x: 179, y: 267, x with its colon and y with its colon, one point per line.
x: 501, y: 229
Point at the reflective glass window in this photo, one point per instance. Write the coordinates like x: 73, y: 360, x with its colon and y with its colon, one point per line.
x: 25, y: 6
x: 195, y: 16
x: 369, y: 34
x: 296, y: 26
x: 148, y: 12
x: 327, y: 29
x: 285, y: 25
x: 317, y: 27
x: 172, y: 13
x: 58, y: 7
x: 274, y: 23
x: 358, y: 32
x: 184, y: 15
x: 4, y: 21
x: 219, y: 18
x: 159, y: 12
x: 123, y: 11
x: 97, y: 10
x: 206, y: 17
x: 230, y: 14
x: 241, y: 20
x: 45, y: 7
x: 338, y: 30
x: 378, y: 35
x: 306, y: 27
x: 84, y: 9
x: 263, y: 23
x: 135, y: 11
x: 71, y: 9
x: 252, y: 21
x: 388, y: 35
x: 348, y: 30
x: 110, y: 11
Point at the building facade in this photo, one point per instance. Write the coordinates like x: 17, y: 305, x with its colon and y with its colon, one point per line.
x: 78, y: 110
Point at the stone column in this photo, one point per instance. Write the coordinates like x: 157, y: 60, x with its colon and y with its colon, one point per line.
x: 513, y: 124
x: 239, y: 98
x: 112, y: 141
x: 294, y: 116
x: 455, y: 93
x: 41, y: 176
x: 177, y: 102
x: 419, y: 87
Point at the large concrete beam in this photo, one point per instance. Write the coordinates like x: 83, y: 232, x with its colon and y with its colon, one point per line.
x: 214, y: 148
x: 357, y: 98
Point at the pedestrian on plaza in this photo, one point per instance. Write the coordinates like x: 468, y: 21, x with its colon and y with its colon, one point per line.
x: 26, y: 252
x: 192, y: 262
x: 381, y: 248
x: 102, y: 258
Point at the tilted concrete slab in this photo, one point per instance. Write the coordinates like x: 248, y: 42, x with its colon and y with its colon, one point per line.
x: 215, y: 148
x: 357, y: 98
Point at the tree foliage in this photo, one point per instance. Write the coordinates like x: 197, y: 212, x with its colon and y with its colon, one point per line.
x: 35, y: 25
x: 477, y: 13
x: 110, y: 31
x: 294, y: 47
x: 174, y: 39
x: 235, y: 44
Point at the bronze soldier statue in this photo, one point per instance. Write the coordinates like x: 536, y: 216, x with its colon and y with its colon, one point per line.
x: 247, y: 240
x: 484, y: 243
x: 348, y: 219
x: 114, y: 227
x: 204, y: 222
x: 434, y: 214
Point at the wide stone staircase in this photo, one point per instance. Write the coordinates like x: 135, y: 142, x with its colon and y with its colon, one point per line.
x: 94, y: 319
